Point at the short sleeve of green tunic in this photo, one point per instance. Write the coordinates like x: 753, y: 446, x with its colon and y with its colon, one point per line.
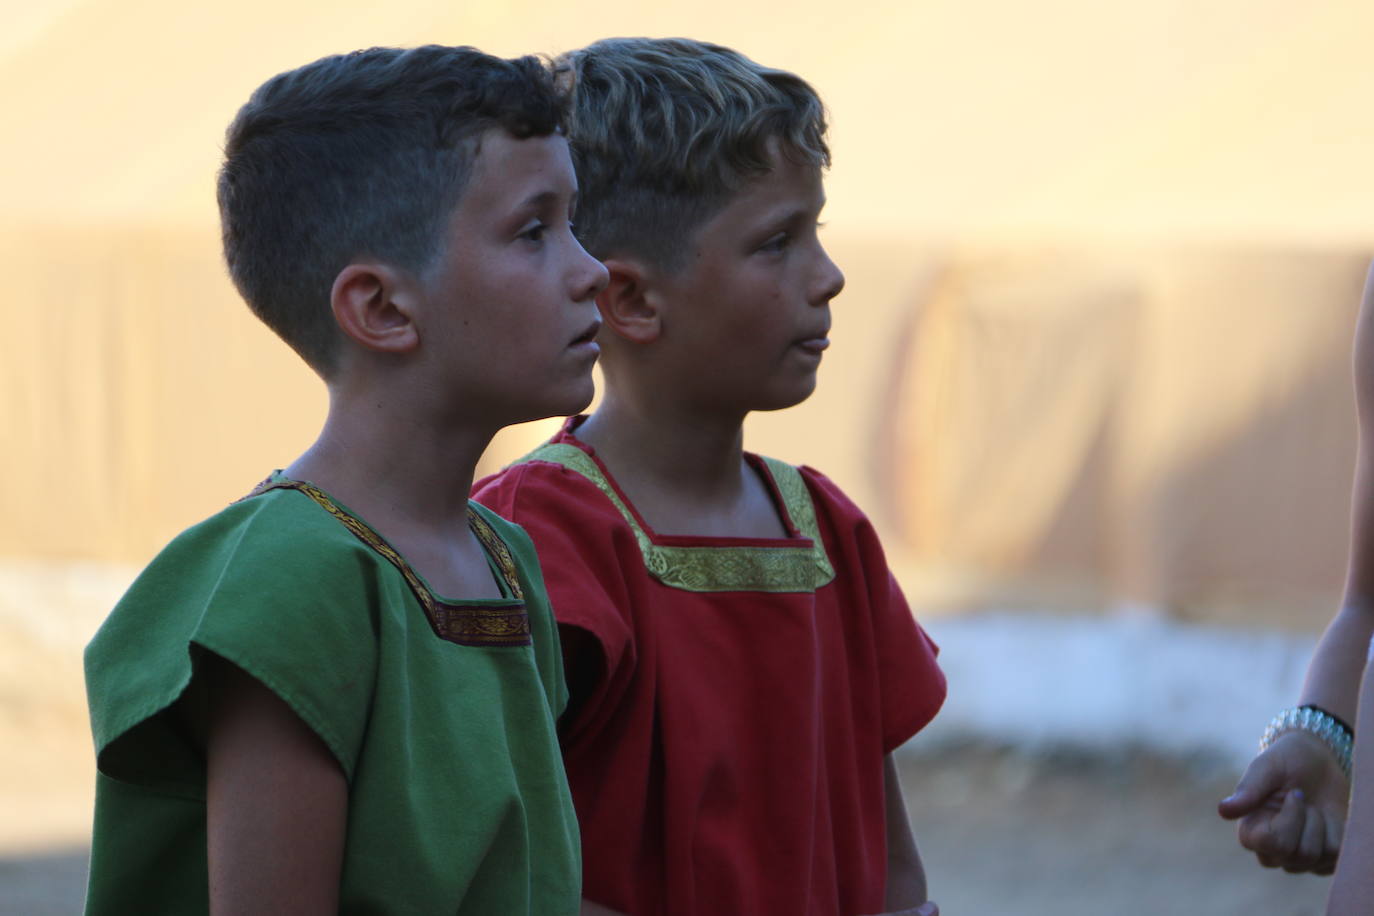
x: 440, y: 712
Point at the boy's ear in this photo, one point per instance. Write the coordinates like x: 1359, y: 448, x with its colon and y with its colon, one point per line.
x: 628, y: 304
x: 373, y: 305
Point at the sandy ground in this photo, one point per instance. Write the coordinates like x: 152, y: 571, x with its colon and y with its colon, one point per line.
x: 1004, y: 832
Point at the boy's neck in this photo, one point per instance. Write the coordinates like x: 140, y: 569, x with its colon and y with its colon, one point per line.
x: 693, y: 454
x: 683, y: 470
x: 406, y: 475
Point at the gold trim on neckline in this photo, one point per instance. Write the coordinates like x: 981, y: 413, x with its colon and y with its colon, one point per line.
x: 718, y: 569
x: 501, y: 623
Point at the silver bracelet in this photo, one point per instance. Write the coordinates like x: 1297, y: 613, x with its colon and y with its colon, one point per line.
x: 1317, y: 723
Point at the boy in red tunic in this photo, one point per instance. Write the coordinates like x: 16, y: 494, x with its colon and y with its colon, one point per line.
x: 740, y: 659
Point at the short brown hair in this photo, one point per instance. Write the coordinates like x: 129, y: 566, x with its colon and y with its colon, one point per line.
x: 665, y: 130
x: 361, y: 155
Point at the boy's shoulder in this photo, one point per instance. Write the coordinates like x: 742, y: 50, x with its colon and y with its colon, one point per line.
x: 559, y: 478
x: 819, y: 483
x: 503, y: 538
x: 845, y: 524
x: 829, y: 497
x: 275, y: 528
x: 252, y: 578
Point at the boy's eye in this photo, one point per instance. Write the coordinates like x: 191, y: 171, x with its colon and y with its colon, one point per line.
x: 777, y: 243
x: 534, y: 232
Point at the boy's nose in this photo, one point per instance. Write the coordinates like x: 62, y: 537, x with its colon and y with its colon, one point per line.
x: 829, y: 280
x: 591, y: 276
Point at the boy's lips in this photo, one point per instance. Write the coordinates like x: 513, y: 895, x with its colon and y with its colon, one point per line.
x: 816, y: 345
x: 588, y: 336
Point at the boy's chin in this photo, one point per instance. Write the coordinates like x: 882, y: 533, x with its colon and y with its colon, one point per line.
x: 781, y: 400
x: 572, y: 400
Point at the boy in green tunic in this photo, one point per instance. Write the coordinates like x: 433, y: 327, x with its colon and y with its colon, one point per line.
x: 339, y: 693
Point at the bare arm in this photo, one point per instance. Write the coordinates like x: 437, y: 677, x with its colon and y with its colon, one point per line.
x: 276, y: 803
x: 906, y: 876
x: 1291, y: 802
x: 1353, y: 886
x: 1333, y: 678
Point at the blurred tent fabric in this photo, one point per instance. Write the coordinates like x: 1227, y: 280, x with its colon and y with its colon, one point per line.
x: 1070, y: 429
x: 1103, y: 265
x: 1211, y: 120
x: 1094, y: 427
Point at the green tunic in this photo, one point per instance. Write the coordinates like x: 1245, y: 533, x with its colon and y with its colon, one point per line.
x: 440, y: 712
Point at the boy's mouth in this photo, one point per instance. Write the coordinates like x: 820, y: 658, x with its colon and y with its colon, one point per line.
x: 587, y: 336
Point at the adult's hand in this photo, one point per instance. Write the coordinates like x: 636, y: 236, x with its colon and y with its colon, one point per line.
x: 1291, y: 805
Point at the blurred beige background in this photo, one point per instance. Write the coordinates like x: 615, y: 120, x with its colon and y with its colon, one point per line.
x: 1090, y: 373
x: 1103, y: 260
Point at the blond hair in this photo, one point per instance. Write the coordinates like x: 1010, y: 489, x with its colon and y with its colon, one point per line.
x: 665, y: 130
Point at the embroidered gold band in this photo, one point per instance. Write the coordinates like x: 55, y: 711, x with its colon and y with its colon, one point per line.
x: 465, y: 624
x: 719, y: 569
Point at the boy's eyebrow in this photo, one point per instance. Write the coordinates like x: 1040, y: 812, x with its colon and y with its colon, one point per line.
x: 540, y: 199
x: 794, y: 214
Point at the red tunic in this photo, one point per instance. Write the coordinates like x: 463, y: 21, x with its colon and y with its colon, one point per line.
x: 726, y: 755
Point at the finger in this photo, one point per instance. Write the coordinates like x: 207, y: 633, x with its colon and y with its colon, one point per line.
x: 1252, y: 832
x: 1280, y: 842
x: 1334, y: 826
x: 1310, y: 846
x: 1262, y: 778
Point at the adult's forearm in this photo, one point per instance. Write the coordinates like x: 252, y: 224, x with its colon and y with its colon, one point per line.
x: 1353, y: 887
x: 1333, y: 676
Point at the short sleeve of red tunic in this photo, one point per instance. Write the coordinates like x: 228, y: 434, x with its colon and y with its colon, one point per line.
x: 728, y: 758
x: 911, y: 683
